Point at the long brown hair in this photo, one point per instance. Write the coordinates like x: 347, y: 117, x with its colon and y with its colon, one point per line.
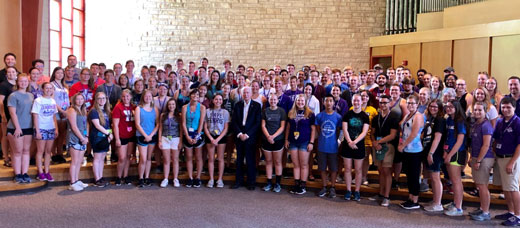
x: 165, y: 112
x: 100, y: 111
x: 83, y: 109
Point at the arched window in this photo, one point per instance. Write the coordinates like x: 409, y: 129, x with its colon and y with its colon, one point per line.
x: 67, y: 31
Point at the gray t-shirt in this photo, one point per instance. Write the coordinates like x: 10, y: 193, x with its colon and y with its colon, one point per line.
x: 216, y: 119
x: 23, y: 104
x: 273, y: 119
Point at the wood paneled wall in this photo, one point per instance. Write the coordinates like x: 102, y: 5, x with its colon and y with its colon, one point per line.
x: 11, y: 30
x: 410, y: 53
x: 504, y: 59
x: 469, y: 57
x: 436, y: 56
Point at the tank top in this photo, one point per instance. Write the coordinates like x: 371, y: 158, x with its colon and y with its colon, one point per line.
x: 182, y: 100
x: 81, y: 122
x: 397, y: 109
x: 193, y: 118
x: 415, y: 146
x: 170, y: 127
x: 147, y: 121
x: 259, y: 100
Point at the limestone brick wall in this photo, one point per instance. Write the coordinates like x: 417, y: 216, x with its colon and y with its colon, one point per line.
x: 251, y: 32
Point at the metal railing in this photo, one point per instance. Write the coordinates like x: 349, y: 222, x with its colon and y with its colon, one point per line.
x: 401, y: 15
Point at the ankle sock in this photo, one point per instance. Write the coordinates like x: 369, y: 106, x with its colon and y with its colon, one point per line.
x: 278, y: 179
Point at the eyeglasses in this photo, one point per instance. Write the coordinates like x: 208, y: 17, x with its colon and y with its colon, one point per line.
x: 411, y: 103
x: 448, y: 107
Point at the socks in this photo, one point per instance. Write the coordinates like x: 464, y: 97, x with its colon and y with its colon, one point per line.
x: 303, y: 183
x: 278, y: 179
x: 269, y: 181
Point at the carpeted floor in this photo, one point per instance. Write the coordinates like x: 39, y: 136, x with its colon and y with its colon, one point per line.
x: 128, y: 206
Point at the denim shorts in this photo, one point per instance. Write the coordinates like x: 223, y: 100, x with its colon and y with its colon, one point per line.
x: 298, y: 146
x: 77, y: 146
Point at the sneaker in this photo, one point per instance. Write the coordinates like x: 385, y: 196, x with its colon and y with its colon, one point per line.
x: 268, y: 187
x: 277, y: 188
x: 424, y: 187
x: 332, y: 193
x: 127, y: 180
x: 501, y: 196
x: 148, y: 182
x: 385, y: 202
x: 365, y: 182
x: 220, y: 184
x: 105, y: 182
x: 322, y: 192
x: 357, y: 196
x: 454, y: 212
x: 49, y: 177
x: 18, y: 178
x: 300, y: 191
x: 99, y: 183
x: 118, y: 181
x: 504, y: 216
x: 176, y: 183
x: 481, y: 217
x: 189, y: 184
x: 448, y: 206
x: 82, y: 184
x: 409, y: 205
x: 434, y: 208
x: 196, y: 183
x: 513, y: 221
x: 141, y: 183
x: 164, y: 183
x: 294, y: 189
x: 475, y: 212
x: 76, y: 187
x: 375, y: 198
x: 26, y: 178
x: 395, y: 185
x: 210, y: 184
x: 41, y: 177
x: 348, y: 195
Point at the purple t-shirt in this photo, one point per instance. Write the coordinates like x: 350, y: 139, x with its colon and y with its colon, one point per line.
x: 341, y: 106
x: 477, y: 134
x: 507, y: 135
x: 301, y: 125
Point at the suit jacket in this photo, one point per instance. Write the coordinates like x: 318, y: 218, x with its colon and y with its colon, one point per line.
x: 252, y: 122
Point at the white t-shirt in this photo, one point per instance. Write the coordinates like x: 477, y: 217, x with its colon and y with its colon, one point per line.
x: 45, y: 108
x: 314, y: 105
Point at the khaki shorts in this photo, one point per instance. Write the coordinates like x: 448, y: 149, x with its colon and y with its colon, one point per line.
x: 388, y: 161
x: 509, y: 182
x: 481, y: 176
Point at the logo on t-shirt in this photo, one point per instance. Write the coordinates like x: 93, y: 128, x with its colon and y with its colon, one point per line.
x: 328, y: 128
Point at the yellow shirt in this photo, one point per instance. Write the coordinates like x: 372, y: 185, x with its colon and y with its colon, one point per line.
x: 371, y: 112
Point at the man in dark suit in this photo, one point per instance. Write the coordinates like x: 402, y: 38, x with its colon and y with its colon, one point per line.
x: 246, y: 123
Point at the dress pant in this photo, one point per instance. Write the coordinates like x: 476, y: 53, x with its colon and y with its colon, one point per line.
x: 247, y: 149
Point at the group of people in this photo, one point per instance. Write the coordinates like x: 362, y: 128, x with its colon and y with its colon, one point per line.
x: 339, y: 118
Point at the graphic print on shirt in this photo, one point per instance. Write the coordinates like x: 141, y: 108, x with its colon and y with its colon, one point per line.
x: 355, y: 127
x: 129, y: 115
x: 48, y: 109
x: 328, y: 128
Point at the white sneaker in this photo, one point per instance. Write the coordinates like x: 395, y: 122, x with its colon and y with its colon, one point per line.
x: 385, y: 202
x: 454, y: 212
x: 176, y: 183
x: 220, y: 184
x: 210, y: 184
x: 82, y: 184
x: 75, y: 187
x: 434, y: 208
x: 164, y: 183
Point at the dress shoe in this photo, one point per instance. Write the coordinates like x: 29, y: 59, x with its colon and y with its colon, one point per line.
x: 235, y: 186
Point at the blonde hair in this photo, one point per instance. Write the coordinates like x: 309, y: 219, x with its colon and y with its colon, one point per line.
x: 307, y: 111
x: 141, y: 101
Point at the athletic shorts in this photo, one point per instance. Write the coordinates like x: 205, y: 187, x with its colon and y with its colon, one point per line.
x: 197, y: 144
x: 128, y: 140
x: 276, y: 146
x: 329, y: 160
x: 347, y: 152
x: 26, y: 131
x: 77, y: 146
x: 459, y: 158
x: 169, y: 143
x: 141, y: 142
x: 435, y: 167
x: 99, y: 144
x: 221, y: 141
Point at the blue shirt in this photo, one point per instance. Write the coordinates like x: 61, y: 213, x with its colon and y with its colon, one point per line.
x: 328, y: 135
x: 451, y: 137
x: 507, y: 135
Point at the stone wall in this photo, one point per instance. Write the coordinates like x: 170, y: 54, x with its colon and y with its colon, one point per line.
x: 251, y: 32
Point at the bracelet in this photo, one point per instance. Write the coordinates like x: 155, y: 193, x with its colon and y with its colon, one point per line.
x: 312, y: 143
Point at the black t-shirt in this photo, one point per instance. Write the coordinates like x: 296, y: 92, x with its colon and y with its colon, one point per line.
x: 6, y: 89
x: 430, y: 128
x: 383, y: 126
x: 356, y: 122
x: 3, y: 75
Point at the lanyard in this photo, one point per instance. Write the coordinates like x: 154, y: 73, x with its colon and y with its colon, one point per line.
x: 508, y: 125
x: 298, y: 118
x: 379, y: 121
x: 161, y: 104
x: 107, y: 91
x: 396, y: 104
x: 58, y: 85
x: 408, y: 118
x: 191, y: 116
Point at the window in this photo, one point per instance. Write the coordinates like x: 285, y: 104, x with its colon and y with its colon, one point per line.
x: 67, y: 31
